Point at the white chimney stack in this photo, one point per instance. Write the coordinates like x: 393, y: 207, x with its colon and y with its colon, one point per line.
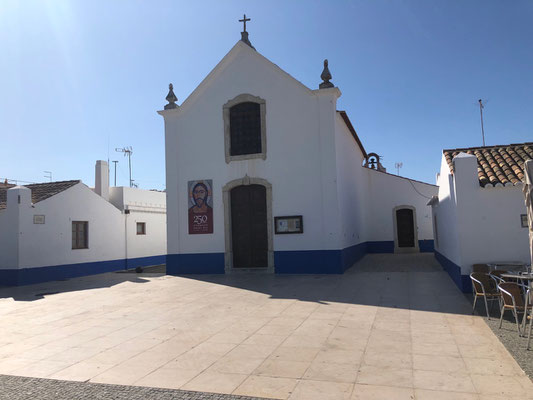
x: 101, y: 180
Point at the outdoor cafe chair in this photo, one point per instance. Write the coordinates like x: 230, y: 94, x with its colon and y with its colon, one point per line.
x: 482, y: 286
x: 481, y: 268
x: 512, y: 300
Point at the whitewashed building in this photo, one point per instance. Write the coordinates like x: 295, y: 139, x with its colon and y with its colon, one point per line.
x: 479, y: 213
x: 59, y: 230
x: 265, y: 173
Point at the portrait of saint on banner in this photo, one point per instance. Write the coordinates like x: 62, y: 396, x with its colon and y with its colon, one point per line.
x: 200, y: 206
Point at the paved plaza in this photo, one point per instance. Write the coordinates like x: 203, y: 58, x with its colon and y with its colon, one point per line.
x: 392, y: 327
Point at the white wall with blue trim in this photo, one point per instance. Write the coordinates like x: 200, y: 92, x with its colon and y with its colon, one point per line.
x: 476, y: 224
x: 35, y: 252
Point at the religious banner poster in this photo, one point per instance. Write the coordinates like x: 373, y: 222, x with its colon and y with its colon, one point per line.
x: 200, y: 206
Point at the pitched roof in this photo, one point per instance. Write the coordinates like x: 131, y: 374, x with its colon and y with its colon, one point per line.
x: 39, y: 191
x: 502, y: 164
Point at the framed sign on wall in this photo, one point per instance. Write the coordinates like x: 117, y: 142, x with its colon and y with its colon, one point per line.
x: 288, y: 224
x: 523, y: 220
x: 38, y: 219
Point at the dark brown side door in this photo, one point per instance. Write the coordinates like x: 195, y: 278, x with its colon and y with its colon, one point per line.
x: 406, y: 227
x: 249, y: 227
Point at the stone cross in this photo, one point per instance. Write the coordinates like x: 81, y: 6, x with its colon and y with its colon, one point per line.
x: 244, y: 21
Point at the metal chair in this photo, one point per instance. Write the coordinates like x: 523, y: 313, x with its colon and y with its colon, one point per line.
x: 481, y: 268
x: 511, y: 294
x: 483, y: 286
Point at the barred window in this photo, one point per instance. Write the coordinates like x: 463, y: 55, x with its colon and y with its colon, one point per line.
x: 80, y: 233
x: 245, y: 129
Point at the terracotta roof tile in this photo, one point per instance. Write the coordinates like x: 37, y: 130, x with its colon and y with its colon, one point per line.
x: 496, y: 164
x: 39, y: 191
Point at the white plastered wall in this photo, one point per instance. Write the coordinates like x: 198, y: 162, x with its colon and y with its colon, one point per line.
x: 50, y: 243
x: 488, y: 225
x: 144, y: 206
x: 352, y: 185
x: 299, y: 128
x: 445, y: 212
x: 385, y: 193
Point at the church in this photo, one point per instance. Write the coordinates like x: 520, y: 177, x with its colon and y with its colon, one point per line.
x: 266, y: 174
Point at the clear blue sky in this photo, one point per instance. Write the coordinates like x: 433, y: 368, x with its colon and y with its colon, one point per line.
x: 80, y: 78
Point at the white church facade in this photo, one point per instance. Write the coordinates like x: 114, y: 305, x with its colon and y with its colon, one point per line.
x: 60, y: 230
x: 264, y: 173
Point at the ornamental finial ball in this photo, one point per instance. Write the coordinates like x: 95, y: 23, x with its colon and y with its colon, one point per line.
x: 171, y: 98
x: 325, y: 76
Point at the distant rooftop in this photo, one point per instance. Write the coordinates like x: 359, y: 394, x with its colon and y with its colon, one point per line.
x: 39, y: 191
x: 497, y: 164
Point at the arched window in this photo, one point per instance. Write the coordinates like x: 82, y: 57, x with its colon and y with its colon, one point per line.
x: 244, y: 128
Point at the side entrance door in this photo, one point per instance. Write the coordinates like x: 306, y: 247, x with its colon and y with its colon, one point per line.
x: 249, y: 226
x: 406, y: 227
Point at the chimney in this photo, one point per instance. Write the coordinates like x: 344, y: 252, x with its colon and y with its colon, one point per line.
x: 101, y: 180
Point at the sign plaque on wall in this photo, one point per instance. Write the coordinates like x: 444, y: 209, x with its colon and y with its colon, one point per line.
x: 523, y: 220
x: 290, y: 224
x: 38, y: 219
x: 200, y: 201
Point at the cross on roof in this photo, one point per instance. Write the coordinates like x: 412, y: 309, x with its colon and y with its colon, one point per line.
x: 244, y: 21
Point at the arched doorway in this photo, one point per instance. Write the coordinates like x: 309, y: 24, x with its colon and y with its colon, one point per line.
x: 248, y: 225
x: 405, y: 230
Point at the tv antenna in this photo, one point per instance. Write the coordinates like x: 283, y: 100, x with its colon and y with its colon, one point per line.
x: 398, y: 165
x: 48, y: 174
x: 481, y: 106
x: 128, y: 151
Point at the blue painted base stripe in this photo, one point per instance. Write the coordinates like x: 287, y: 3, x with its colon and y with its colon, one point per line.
x: 463, y: 282
x: 201, y: 263
x: 426, y: 246
x: 28, y: 276
x: 308, y: 262
x: 289, y: 262
x: 380, y: 247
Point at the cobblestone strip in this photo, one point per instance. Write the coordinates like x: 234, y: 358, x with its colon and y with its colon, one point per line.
x: 24, y: 388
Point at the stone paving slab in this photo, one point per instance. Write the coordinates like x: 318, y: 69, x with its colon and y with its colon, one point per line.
x: 24, y: 388
x: 393, y: 326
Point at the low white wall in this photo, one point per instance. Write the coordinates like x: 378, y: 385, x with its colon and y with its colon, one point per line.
x: 385, y: 192
x: 492, y: 231
x: 148, y: 207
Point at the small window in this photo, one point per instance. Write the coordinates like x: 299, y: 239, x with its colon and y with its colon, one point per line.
x: 141, y: 228
x: 80, y: 235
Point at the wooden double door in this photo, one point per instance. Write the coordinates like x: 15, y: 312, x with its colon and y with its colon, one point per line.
x: 249, y: 229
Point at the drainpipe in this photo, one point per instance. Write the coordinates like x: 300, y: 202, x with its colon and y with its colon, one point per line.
x: 126, y: 213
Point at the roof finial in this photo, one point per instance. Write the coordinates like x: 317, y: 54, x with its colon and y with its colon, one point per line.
x: 244, y: 34
x: 171, y: 98
x: 326, y: 76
